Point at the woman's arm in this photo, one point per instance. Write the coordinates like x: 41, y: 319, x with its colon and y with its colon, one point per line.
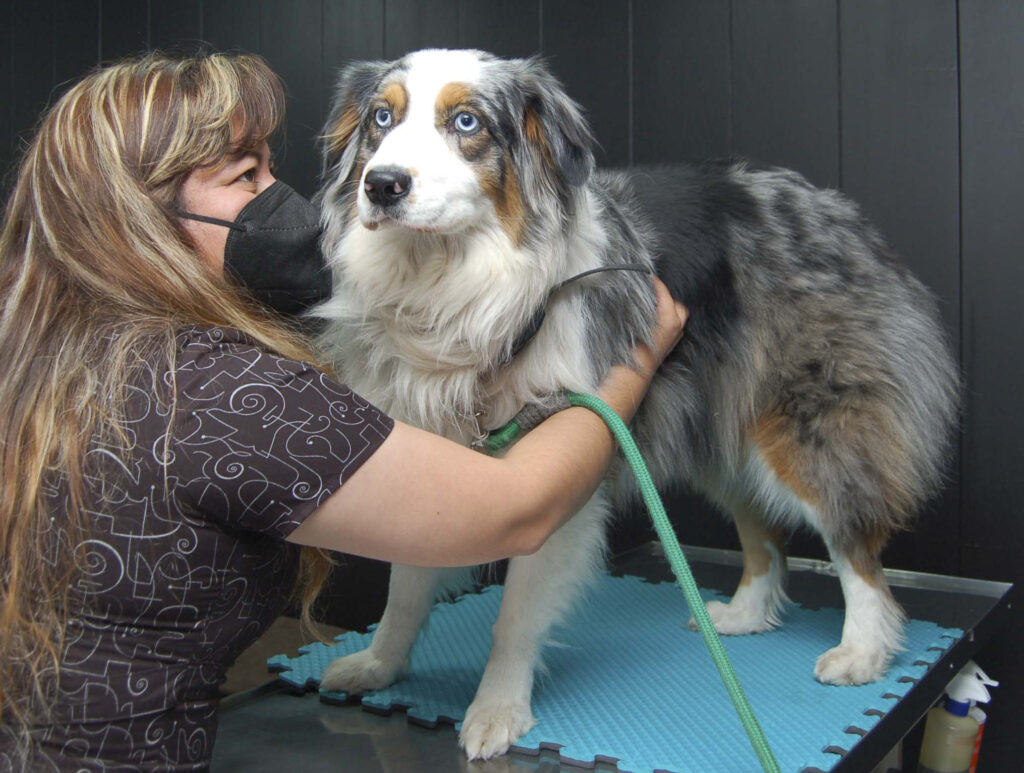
x: 424, y: 500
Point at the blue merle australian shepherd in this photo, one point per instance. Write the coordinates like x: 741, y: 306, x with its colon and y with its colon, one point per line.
x: 813, y: 386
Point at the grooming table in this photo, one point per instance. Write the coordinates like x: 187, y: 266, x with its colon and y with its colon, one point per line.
x: 269, y: 729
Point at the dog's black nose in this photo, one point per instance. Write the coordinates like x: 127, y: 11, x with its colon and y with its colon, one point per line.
x: 387, y: 185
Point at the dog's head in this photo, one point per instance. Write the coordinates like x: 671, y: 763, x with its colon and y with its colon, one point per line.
x: 444, y: 141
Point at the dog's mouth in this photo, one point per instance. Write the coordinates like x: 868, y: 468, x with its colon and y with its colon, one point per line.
x: 375, y: 221
x: 373, y: 218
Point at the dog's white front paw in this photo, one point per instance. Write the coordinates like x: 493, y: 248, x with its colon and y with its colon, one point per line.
x: 492, y: 726
x: 735, y: 619
x: 850, y: 665
x: 359, y: 672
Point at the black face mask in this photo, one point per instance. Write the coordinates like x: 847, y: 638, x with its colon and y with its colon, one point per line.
x: 274, y: 249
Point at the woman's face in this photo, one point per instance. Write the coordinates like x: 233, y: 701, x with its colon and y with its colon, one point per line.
x: 222, y: 191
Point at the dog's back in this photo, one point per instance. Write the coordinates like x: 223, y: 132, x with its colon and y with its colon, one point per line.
x: 802, y: 321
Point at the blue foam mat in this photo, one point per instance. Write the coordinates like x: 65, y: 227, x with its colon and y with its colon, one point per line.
x: 630, y: 683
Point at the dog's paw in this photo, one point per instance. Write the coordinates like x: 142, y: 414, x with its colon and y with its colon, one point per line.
x: 359, y: 672
x: 492, y: 726
x: 735, y: 619
x: 850, y: 665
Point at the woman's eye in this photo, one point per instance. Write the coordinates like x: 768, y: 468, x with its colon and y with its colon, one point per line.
x: 383, y: 117
x: 467, y: 123
x: 248, y: 176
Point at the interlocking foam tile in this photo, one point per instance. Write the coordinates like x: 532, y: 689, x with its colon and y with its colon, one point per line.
x: 632, y: 684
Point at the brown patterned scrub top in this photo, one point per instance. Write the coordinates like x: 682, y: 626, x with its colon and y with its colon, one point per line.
x: 186, y: 566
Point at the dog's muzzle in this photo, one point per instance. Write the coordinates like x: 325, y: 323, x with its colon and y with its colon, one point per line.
x: 385, y: 186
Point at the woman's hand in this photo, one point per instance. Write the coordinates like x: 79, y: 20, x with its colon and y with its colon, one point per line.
x: 624, y: 387
x: 669, y: 322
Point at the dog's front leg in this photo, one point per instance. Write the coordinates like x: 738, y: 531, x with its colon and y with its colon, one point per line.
x: 410, y: 597
x: 539, y: 590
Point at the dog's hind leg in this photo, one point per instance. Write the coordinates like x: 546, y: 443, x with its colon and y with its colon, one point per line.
x: 411, y: 594
x: 539, y: 590
x: 757, y: 603
x: 873, y: 627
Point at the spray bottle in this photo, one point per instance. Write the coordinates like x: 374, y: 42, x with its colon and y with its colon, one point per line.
x: 979, y: 715
x: 950, y: 733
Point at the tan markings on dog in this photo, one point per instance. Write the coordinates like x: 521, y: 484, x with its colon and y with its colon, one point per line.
x: 506, y: 198
x: 865, y: 556
x: 774, y: 438
x: 449, y: 99
x: 396, y: 96
x: 339, y: 135
x: 535, y: 136
x: 755, y: 538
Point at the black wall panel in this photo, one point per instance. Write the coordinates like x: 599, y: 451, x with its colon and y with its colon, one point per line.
x: 31, y: 65
x: 900, y: 133
x: 124, y: 28
x: 291, y: 38
x: 229, y: 25
x: 176, y: 26
x: 412, y: 24
x: 899, y: 157
x: 992, y: 131
x: 682, y: 76
x: 76, y: 41
x: 508, y: 28
x: 7, y: 89
x: 913, y: 108
x: 594, y: 66
x: 785, y: 93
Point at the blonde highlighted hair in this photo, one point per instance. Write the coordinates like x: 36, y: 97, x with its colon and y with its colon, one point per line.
x: 96, y: 276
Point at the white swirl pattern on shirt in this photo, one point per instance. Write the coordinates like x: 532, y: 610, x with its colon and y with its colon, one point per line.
x: 178, y: 579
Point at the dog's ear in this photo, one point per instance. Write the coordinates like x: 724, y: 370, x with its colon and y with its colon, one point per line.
x: 554, y: 124
x: 339, y: 141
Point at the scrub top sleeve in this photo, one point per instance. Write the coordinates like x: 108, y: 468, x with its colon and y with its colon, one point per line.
x: 260, y: 441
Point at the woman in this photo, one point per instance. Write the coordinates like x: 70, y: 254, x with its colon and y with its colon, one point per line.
x: 165, y: 438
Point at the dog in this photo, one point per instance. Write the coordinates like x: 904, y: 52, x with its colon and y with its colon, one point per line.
x: 814, y: 386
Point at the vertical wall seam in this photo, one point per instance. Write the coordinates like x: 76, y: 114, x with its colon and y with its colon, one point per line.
x: 630, y: 91
x: 730, y: 131
x: 540, y: 26
x: 53, y: 52
x: 12, y: 131
x: 961, y: 354
x: 839, y: 93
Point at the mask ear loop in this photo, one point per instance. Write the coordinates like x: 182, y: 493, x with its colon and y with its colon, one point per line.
x: 213, y: 220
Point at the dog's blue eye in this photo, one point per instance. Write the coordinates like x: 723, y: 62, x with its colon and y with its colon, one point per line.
x: 467, y: 123
x: 383, y: 117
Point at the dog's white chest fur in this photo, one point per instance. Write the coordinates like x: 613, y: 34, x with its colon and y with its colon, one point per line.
x: 420, y: 325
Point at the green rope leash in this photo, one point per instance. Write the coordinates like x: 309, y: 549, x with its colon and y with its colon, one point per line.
x: 684, y: 576
x: 501, y: 437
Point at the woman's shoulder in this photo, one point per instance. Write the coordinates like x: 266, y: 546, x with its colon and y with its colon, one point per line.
x: 230, y: 353
x: 201, y: 338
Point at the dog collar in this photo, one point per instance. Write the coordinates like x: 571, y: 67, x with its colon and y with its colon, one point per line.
x: 533, y: 326
x: 529, y: 417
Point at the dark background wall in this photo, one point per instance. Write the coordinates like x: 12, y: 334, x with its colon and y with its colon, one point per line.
x: 915, y: 108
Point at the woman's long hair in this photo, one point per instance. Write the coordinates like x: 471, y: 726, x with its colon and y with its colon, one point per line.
x: 96, y: 276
